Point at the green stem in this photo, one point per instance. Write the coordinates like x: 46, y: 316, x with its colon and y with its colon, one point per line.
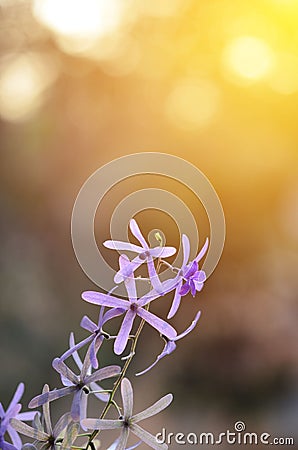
x: 119, y: 379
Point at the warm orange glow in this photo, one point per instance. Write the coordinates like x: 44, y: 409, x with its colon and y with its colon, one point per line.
x: 193, y: 103
x: 284, y: 78
x: 22, y: 82
x: 248, y: 58
x: 78, y: 23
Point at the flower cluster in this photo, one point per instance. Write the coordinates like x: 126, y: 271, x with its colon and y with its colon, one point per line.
x: 75, y: 425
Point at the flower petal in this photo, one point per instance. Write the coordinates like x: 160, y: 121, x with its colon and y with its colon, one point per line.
x: 122, y: 246
x: 134, y: 228
x: 15, y: 438
x: 162, y: 252
x: 102, y: 424
x: 169, y: 347
x: 202, y: 251
x: 122, y: 440
x: 25, y: 429
x: 127, y: 398
x: 190, y: 328
x: 50, y: 396
x: 105, y: 300
x: 176, y: 301
x: 102, y: 374
x: 129, y: 281
x: 61, y: 424
x: 122, y: 338
x: 76, y: 405
x: 62, y: 368
x: 88, y: 324
x: 147, y: 438
x: 16, y: 398
x: 46, y: 411
x: 155, y: 281
x: 70, y: 436
x: 185, y: 289
x: 160, y: 325
x: 26, y: 415
x: 186, y: 249
x: 158, y: 406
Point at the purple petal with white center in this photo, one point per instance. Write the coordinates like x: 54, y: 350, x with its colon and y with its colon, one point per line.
x: 102, y: 424
x: 156, y: 408
x: 65, y: 371
x: 75, y: 406
x: 202, y: 251
x: 176, y: 301
x: 102, y: 374
x: 127, y: 398
x: 105, y: 300
x: 134, y: 228
x: 39, y: 400
x: 126, y: 326
x: 25, y: 429
x: 88, y: 324
x: 123, y: 246
x: 159, y: 324
x: 147, y: 438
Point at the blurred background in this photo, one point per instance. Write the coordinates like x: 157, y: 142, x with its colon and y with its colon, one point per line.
x: 83, y: 82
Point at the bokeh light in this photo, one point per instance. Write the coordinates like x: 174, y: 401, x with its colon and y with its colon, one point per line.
x: 193, y: 103
x: 23, y: 80
x: 248, y: 57
x: 77, y: 24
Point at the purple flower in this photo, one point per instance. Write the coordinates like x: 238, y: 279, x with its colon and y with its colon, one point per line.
x: 77, y: 385
x: 13, y: 411
x: 44, y: 434
x: 145, y: 254
x: 189, y: 274
x: 97, y: 336
x: 128, y: 422
x: 170, y: 344
x: 95, y: 388
x: 133, y: 307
